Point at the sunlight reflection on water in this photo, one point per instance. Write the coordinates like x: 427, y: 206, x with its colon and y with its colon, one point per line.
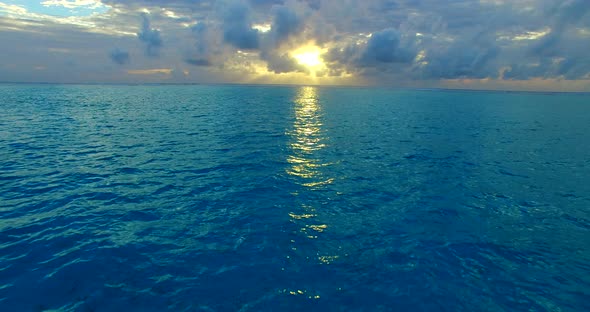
x: 307, y: 140
x: 307, y: 168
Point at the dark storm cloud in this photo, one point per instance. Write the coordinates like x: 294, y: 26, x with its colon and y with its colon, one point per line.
x: 237, y: 30
x: 385, y: 47
x: 203, y: 53
x: 280, y: 62
x: 151, y: 37
x: 286, y: 23
x: 385, y: 50
x: 461, y: 61
x: 119, y: 56
x: 561, y: 16
x: 561, y: 52
x: 200, y: 33
x: 473, y: 55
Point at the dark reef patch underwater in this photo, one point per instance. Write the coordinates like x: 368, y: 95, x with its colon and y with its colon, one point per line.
x: 244, y: 198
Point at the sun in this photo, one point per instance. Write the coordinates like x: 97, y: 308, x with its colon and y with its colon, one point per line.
x: 309, y: 57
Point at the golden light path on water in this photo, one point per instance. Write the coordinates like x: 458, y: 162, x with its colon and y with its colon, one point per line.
x: 307, y: 140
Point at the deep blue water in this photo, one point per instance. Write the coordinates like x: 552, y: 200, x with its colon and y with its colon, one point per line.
x: 230, y: 198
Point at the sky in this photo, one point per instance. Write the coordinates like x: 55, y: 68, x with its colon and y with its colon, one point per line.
x: 468, y: 44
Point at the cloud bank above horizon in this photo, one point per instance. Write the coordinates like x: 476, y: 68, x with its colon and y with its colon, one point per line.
x: 489, y: 44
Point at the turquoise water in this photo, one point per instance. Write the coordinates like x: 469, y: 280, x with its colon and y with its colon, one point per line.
x: 243, y: 198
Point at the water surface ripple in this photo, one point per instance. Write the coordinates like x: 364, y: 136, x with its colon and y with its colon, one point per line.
x: 227, y: 198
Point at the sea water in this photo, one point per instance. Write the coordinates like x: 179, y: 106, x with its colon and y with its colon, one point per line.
x: 256, y: 198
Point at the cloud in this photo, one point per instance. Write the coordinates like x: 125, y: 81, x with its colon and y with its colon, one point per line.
x: 475, y: 56
x: 286, y: 23
x: 119, y: 56
x: 198, y: 62
x: 149, y: 36
x: 385, y: 41
x: 73, y: 4
x: 200, y: 33
x: 278, y: 62
x: 385, y: 47
x: 562, y: 52
x: 237, y: 28
x: 155, y: 71
x: 382, y: 52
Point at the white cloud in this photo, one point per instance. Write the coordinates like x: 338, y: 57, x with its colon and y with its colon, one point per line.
x: 74, y: 4
x: 12, y: 9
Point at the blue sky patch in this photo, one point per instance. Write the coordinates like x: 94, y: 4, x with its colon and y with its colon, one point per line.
x: 57, y: 8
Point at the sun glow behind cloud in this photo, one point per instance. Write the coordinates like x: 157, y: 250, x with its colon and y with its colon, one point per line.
x: 310, y: 57
x: 264, y: 28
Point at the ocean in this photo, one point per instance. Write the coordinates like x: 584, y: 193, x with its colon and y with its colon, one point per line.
x: 261, y: 198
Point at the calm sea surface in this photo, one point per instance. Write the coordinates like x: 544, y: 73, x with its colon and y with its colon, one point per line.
x: 235, y: 198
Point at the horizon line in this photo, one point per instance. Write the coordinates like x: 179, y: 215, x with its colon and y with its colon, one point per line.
x: 431, y: 89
